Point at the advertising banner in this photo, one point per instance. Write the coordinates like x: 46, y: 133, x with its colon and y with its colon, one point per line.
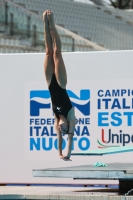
x: 100, y: 87
x: 39, y: 122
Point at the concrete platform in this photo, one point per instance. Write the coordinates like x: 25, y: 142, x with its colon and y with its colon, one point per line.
x: 114, y: 171
x: 60, y: 193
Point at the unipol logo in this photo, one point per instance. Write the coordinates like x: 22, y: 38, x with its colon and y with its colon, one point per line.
x: 40, y: 99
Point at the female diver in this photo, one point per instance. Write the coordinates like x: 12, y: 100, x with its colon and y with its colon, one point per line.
x: 56, y: 79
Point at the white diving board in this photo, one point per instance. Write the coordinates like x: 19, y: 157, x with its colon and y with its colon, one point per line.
x: 104, y: 151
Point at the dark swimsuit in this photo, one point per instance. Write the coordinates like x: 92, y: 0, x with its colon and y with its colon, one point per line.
x: 61, y: 103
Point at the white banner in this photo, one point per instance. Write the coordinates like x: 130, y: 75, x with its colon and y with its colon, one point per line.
x: 41, y: 140
x: 100, y: 87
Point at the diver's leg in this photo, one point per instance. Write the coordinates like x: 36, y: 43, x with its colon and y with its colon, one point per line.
x: 60, y: 70
x: 48, y: 62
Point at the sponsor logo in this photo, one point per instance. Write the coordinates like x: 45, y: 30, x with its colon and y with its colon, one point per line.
x: 40, y: 99
x: 110, y: 137
x: 114, y: 109
x: 41, y: 121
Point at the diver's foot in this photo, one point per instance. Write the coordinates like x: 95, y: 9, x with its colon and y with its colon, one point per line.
x: 45, y: 18
x: 50, y: 16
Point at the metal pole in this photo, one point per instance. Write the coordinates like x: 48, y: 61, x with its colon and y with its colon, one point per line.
x: 131, y: 4
x: 34, y: 36
x: 28, y: 26
x: 73, y: 44
x: 11, y: 24
x: 6, y: 14
x: 120, y: 4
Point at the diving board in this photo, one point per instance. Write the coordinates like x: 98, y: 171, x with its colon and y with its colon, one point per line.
x: 114, y: 171
x: 123, y: 172
x: 104, y: 151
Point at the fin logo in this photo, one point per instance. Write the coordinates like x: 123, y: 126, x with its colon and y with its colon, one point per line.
x: 40, y: 99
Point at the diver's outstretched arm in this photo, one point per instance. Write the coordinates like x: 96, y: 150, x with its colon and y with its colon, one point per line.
x: 71, y: 119
x: 59, y: 137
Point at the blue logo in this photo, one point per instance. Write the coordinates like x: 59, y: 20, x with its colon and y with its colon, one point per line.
x: 40, y: 99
